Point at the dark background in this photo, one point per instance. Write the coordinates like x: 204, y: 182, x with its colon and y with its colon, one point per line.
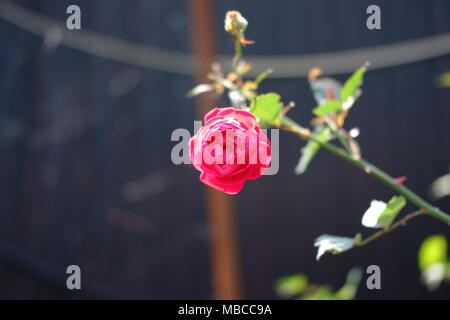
x: 86, y: 176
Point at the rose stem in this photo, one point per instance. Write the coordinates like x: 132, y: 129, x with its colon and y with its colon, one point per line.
x: 371, y: 170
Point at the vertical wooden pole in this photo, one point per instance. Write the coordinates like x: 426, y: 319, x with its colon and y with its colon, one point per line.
x: 219, y: 206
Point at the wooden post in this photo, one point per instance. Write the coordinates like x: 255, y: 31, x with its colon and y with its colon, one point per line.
x: 219, y: 206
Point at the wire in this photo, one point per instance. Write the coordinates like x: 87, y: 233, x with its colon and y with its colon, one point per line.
x: 286, y: 66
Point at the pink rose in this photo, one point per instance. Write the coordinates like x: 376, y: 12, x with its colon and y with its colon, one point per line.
x: 229, y: 149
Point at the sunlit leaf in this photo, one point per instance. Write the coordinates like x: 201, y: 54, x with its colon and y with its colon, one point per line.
x: 327, y: 107
x: 394, y: 206
x: 347, y: 104
x: 433, y: 250
x: 440, y: 188
x: 291, y: 285
x: 332, y: 244
x: 381, y: 214
x: 352, y: 85
x: 370, y: 217
x: 267, y: 107
x: 308, y: 152
x: 199, y: 89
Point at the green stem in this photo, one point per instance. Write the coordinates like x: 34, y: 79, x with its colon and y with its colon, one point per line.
x: 338, y: 134
x: 373, y: 171
x: 237, y: 54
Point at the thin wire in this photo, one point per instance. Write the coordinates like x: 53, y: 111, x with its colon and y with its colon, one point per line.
x: 286, y: 66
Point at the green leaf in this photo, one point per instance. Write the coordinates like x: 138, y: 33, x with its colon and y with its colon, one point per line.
x: 327, y: 107
x: 333, y: 244
x: 308, y: 152
x: 267, y: 107
x: 381, y: 214
x: 291, y: 285
x: 352, y: 85
x: 394, y: 206
x: 433, y: 250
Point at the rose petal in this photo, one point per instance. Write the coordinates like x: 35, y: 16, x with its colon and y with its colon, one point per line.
x: 216, y: 183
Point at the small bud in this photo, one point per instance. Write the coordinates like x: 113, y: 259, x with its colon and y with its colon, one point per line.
x: 235, y: 22
x: 314, y: 73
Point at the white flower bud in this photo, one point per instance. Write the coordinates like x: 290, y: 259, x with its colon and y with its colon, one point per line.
x: 235, y: 22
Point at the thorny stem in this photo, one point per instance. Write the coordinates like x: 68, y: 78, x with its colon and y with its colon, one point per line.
x: 370, y: 169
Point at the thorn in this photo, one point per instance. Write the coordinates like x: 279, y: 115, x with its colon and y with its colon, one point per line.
x: 400, y: 180
x: 245, y: 42
x: 288, y: 107
x: 330, y: 94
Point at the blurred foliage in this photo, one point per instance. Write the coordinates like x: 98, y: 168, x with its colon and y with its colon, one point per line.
x: 309, y: 151
x: 327, y: 107
x: 298, y: 287
x: 440, y: 187
x: 443, y: 80
x: 433, y: 261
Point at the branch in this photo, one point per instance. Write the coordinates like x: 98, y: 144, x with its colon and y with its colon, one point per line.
x: 370, y: 169
x: 392, y: 227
